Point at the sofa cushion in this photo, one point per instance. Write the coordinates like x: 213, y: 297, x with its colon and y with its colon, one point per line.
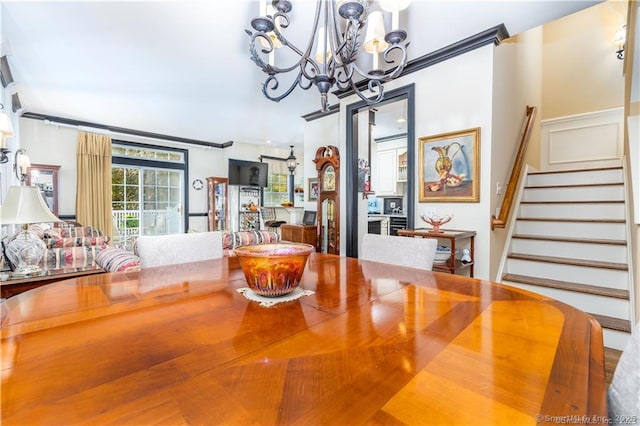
x: 70, y: 257
x: 73, y: 232
x: 76, y: 241
x: 115, y: 259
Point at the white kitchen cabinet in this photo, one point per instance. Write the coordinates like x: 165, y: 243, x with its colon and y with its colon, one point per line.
x: 387, y: 172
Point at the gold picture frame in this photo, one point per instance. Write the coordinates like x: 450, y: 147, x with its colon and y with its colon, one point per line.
x: 449, y: 166
x: 312, y: 189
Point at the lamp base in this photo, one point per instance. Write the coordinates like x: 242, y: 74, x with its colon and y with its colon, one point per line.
x: 25, y: 252
x: 25, y: 271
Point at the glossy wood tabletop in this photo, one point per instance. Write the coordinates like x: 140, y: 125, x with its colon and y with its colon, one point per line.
x: 375, y: 344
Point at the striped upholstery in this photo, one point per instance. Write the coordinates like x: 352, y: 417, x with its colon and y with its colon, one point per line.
x: 231, y: 240
x: 115, y: 259
x: 72, y: 232
x: 69, y: 257
x: 75, y: 242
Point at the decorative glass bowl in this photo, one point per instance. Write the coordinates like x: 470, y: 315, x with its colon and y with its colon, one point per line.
x: 436, y: 221
x: 273, y: 270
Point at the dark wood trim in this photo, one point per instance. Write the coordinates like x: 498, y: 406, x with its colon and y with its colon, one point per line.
x: 268, y: 157
x: 562, y: 219
x: 16, y: 105
x: 568, y: 286
x: 501, y: 219
x: 532, y: 203
x: 551, y: 172
x: 5, y: 72
x: 569, y: 239
x: 612, y: 323
x: 568, y: 261
x: 391, y: 137
x: 124, y: 130
x: 493, y: 35
x: 578, y: 185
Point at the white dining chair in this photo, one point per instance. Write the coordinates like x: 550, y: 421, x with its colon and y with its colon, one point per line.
x: 159, y: 250
x: 624, y: 392
x: 402, y: 251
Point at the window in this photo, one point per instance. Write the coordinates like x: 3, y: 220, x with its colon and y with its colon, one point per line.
x: 148, y: 191
x: 277, y: 190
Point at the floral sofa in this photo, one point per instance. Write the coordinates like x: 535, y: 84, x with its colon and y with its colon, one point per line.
x: 81, y: 246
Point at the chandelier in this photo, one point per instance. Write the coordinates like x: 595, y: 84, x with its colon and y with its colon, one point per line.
x: 337, y: 44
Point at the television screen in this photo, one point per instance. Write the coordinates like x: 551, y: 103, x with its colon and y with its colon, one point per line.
x: 248, y: 173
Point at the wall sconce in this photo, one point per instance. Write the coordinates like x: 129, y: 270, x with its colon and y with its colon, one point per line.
x: 21, y: 164
x: 619, y: 42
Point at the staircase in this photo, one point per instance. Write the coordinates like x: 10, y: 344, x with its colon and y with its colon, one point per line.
x: 569, y: 242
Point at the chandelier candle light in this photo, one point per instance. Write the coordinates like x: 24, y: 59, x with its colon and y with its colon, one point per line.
x: 337, y: 44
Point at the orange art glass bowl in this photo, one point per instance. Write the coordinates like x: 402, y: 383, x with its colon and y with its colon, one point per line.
x: 273, y: 269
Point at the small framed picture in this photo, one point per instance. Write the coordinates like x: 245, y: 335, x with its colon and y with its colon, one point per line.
x: 309, y: 217
x: 312, y: 189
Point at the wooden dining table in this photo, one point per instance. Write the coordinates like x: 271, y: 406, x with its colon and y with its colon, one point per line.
x: 369, y: 343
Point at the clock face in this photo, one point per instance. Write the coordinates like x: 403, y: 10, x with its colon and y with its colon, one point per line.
x: 329, y: 179
x: 197, y: 184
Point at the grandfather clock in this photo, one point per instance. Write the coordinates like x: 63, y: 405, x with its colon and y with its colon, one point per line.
x: 328, y: 166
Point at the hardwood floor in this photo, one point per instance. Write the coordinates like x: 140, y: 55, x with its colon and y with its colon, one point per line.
x: 611, y: 357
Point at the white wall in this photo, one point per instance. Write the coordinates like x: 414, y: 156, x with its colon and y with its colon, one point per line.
x: 56, y: 145
x: 452, y: 95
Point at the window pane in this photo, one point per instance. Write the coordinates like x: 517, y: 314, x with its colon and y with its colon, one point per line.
x: 132, y: 176
x: 149, y: 177
x: 117, y: 176
x: 163, y: 178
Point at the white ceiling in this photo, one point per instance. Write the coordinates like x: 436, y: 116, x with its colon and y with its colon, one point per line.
x: 182, y: 68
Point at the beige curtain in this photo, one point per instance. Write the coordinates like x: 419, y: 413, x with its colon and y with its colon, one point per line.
x: 93, y: 195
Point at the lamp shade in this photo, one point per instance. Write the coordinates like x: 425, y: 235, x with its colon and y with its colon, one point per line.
x: 374, y: 40
x: 24, y: 204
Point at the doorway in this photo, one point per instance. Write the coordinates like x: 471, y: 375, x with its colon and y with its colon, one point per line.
x: 365, y: 150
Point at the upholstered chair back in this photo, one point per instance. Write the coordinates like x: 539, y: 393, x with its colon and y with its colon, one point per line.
x: 402, y: 251
x: 158, y: 250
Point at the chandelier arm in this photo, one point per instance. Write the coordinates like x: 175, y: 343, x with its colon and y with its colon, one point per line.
x: 401, y: 63
x: 375, y: 87
x: 257, y: 59
x: 280, y: 36
x: 272, y: 84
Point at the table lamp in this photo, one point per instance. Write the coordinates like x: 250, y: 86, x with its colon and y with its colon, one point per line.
x: 24, y: 205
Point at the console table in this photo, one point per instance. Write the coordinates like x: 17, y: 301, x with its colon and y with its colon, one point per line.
x: 10, y: 286
x: 452, y: 238
x: 299, y: 233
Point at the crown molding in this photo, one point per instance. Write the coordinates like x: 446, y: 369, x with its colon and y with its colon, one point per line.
x: 494, y: 35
